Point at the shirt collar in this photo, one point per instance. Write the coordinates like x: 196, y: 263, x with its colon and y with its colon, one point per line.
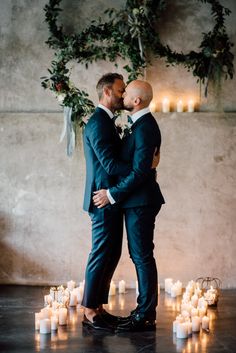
x: 111, y: 115
x: 139, y: 113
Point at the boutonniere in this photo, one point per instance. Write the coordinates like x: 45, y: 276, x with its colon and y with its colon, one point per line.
x: 124, y: 129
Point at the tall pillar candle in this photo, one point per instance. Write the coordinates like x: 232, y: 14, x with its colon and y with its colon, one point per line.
x: 165, y: 105
x: 196, y: 324
x: 179, y: 106
x: 190, y: 106
x: 54, y: 323
x: 205, y: 322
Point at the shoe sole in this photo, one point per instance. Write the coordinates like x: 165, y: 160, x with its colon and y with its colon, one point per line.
x: 146, y: 329
x: 97, y: 328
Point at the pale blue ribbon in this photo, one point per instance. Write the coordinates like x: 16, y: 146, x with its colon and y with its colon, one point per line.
x: 68, y: 130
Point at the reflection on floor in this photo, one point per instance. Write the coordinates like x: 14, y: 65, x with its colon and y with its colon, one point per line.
x: 19, y: 303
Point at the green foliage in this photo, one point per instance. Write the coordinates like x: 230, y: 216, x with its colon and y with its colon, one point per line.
x: 130, y: 33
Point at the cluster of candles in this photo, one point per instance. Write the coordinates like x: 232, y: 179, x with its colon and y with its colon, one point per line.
x: 56, y: 303
x: 180, y: 106
x: 194, y: 307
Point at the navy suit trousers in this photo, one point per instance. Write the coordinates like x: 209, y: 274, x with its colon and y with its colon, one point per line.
x: 107, y: 230
x: 140, y: 223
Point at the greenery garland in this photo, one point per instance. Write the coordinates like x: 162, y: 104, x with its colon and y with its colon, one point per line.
x: 130, y: 34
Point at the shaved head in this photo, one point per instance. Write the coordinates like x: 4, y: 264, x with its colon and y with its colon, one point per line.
x: 141, y: 89
x: 138, y: 95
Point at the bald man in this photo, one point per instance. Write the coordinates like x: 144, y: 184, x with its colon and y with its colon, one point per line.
x: 140, y: 197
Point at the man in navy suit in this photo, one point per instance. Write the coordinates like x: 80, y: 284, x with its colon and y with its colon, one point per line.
x: 140, y: 197
x: 102, y: 146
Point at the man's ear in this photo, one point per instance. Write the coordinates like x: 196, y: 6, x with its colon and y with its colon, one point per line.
x: 107, y: 91
x: 137, y: 101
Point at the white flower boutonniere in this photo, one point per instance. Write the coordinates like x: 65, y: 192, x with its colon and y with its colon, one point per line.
x: 124, y: 129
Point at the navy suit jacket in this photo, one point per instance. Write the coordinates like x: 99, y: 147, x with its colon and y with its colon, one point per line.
x: 102, y: 147
x: 140, y: 188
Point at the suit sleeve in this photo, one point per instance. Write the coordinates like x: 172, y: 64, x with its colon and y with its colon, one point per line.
x: 102, y: 141
x: 146, y: 140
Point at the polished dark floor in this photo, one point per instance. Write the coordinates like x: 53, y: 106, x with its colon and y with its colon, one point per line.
x: 19, y: 303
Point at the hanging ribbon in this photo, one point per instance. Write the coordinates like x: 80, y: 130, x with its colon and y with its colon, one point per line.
x: 68, y: 130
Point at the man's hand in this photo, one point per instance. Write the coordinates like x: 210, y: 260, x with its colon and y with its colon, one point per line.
x: 156, y: 159
x: 100, y: 198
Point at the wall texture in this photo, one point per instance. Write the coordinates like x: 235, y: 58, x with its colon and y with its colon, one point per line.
x: 44, y: 234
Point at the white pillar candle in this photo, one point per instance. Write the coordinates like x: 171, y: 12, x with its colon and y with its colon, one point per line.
x: 175, y: 326
x: 45, y: 326
x: 62, y: 316
x: 190, y: 106
x: 182, y: 330
x: 73, y: 298
x: 46, y: 313
x: 168, y: 284
x: 179, y: 287
x: 194, y: 312
x: 173, y: 291
x: 38, y: 317
x: 54, y: 323
x: 122, y: 286
x: 201, y: 312
x: 205, y: 322
x: 179, y: 106
x: 194, y: 300
x: 153, y: 107
x: 165, y: 105
x: 71, y: 285
x: 196, y: 324
x: 189, y: 327
x: 112, y: 290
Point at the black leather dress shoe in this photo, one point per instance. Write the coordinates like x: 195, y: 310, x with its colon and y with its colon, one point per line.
x: 98, y: 323
x: 111, y: 319
x: 127, y: 318
x: 137, y: 324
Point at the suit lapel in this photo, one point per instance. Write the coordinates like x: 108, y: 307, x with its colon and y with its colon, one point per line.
x: 137, y: 122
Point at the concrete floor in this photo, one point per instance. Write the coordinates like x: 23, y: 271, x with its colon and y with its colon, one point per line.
x: 19, y: 303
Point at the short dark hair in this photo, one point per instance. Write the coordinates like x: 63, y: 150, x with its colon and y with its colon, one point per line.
x: 107, y: 80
